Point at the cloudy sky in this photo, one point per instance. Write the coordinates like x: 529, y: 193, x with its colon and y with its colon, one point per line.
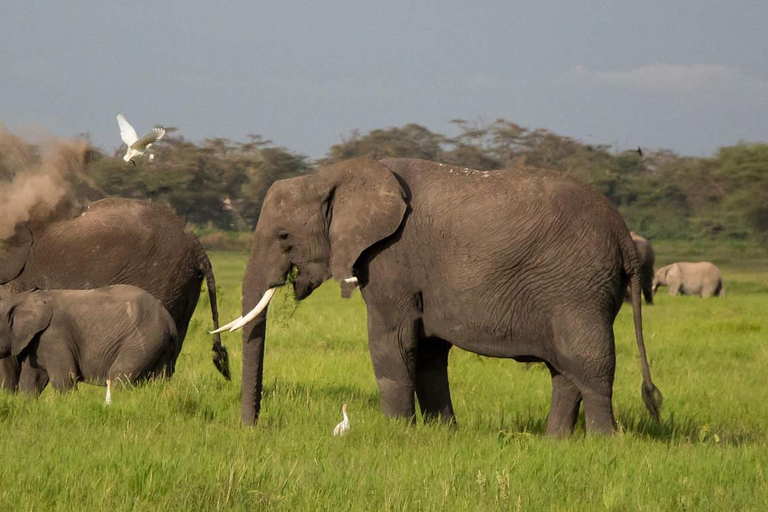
x: 685, y: 75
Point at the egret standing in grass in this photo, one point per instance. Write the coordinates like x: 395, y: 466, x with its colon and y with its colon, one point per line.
x: 342, y: 427
x: 137, y: 146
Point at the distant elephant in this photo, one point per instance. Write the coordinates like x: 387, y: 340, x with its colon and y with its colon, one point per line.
x: 113, y: 333
x: 702, y: 278
x: 115, y: 241
x: 520, y: 263
x: 645, y: 258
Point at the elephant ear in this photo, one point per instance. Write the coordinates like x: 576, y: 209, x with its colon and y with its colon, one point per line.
x: 29, y: 313
x: 366, y: 204
x: 14, y: 252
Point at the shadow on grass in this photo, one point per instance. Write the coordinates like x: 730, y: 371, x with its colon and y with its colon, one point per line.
x: 670, y: 430
x: 685, y: 431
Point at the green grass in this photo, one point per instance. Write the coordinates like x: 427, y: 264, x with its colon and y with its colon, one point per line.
x: 179, y: 445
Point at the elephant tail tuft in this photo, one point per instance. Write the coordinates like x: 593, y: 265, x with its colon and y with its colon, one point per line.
x: 652, y: 399
x: 221, y: 359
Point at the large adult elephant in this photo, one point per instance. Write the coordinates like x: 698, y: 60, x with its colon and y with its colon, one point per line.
x: 521, y: 263
x: 645, y: 259
x: 115, y: 241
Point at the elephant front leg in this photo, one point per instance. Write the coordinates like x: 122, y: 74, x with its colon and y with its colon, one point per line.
x: 33, y: 380
x: 392, y: 348
x: 9, y: 373
x: 432, y: 380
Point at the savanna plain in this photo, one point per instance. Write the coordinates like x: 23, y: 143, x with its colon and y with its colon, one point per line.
x: 179, y: 444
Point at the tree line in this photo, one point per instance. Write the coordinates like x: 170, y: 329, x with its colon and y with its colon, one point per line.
x: 221, y: 184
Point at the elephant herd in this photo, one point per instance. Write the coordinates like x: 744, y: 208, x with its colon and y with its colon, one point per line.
x: 701, y: 278
x: 524, y: 263
x: 106, y: 295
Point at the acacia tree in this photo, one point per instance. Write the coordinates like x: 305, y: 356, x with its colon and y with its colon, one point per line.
x: 409, y: 141
x: 217, y: 183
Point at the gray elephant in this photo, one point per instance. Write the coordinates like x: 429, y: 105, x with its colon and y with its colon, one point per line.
x: 115, y: 241
x: 522, y: 263
x: 701, y: 278
x: 645, y: 258
x: 97, y: 336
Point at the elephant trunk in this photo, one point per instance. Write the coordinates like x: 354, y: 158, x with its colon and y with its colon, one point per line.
x: 261, y: 274
x: 254, y: 334
x: 253, y: 367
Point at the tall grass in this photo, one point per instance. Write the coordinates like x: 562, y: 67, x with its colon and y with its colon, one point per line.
x: 179, y: 445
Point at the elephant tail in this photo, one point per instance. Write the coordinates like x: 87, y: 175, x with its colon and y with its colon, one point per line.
x: 220, y: 354
x: 652, y: 397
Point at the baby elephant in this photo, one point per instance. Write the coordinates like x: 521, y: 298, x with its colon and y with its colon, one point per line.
x: 98, y: 336
x: 702, y: 278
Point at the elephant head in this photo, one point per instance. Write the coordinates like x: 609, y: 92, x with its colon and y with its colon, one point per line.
x: 21, y: 318
x: 318, y: 224
x: 660, y: 277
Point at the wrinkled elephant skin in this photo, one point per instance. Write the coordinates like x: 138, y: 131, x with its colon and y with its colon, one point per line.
x: 520, y: 263
x: 117, y: 333
x: 115, y: 241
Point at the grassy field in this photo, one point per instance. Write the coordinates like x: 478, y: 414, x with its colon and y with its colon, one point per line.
x: 179, y: 445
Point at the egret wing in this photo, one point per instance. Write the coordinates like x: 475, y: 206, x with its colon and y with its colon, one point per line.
x: 151, y: 136
x: 127, y: 133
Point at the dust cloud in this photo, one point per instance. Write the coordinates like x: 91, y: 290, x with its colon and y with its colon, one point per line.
x: 34, y: 179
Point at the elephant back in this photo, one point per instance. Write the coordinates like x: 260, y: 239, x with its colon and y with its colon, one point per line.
x: 117, y: 241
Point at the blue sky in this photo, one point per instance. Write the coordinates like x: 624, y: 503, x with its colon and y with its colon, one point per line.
x: 683, y: 75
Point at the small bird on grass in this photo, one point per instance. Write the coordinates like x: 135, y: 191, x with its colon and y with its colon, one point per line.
x: 137, y: 146
x: 108, y: 398
x: 343, y: 427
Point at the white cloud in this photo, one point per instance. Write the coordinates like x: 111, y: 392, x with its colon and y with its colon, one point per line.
x: 699, y: 80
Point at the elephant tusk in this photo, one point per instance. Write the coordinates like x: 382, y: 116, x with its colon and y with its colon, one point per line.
x: 255, y: 311
x: 226, y: 327
x: 351, y: 280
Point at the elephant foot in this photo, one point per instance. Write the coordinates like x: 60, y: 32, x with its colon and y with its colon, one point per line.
x: 598, y: 412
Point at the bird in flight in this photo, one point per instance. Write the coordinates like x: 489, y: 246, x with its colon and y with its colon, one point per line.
x: 137, y: 146
x: 342, y: 427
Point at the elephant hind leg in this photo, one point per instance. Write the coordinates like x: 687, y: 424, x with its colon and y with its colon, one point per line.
x: 721, y: 290
x: 587, y: 358
x: 564, y: 409
x: 646, y: 283
x: 135, y: 365
x: 432, y: 380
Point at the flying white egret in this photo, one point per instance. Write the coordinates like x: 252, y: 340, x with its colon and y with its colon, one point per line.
x: 343, y: 427
x: 137, y: 146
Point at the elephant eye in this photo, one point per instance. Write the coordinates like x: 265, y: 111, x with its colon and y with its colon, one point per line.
x: 282, y: 236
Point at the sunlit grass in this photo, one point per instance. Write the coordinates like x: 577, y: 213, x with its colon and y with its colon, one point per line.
x: 179, y: 445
